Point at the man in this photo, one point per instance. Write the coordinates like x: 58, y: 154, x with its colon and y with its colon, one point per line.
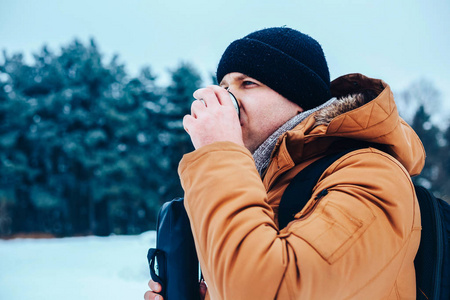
x: 359, y: 240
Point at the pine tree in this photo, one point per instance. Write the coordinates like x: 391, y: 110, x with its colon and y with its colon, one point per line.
x: 428, y: 133
x: 171, y: 134
x: 444, y: 157
x: 418, y: 104
x: 76, y: 144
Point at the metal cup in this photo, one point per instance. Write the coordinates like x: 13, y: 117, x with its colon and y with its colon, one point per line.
x: 235, y: 103
x: 233, y: 99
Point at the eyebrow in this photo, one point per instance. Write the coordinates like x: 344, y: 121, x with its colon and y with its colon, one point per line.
x: 237, y: 78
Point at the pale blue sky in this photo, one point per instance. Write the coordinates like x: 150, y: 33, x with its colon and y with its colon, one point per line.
x: 398, y: 41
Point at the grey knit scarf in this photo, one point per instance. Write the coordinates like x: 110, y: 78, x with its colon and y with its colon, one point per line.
x: 263, y: 152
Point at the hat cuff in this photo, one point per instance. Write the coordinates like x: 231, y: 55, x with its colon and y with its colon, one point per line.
x: 276, y: 69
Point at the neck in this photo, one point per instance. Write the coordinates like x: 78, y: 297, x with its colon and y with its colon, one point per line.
x: 263, y: 153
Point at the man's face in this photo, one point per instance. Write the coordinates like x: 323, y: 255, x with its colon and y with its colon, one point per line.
x: 262, y: 110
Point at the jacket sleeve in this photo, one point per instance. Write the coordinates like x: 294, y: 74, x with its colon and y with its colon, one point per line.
x: 243, y: 254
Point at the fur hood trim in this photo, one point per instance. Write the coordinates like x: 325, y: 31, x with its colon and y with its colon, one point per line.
x: 337, y: 107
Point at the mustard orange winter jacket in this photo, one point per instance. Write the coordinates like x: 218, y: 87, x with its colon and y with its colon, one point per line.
x: 357, y: 242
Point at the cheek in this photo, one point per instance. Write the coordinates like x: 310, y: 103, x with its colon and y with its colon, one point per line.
x: 256, y: 114
x: 261, y: 123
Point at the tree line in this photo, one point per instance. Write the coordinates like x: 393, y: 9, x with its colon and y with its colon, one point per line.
x: 86, y: 148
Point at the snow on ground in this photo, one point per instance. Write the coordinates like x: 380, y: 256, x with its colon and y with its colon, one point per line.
x: 88, y: 268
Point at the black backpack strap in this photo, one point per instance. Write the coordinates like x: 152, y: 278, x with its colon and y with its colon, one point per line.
x: 299, y: 191
x: 432, y: 262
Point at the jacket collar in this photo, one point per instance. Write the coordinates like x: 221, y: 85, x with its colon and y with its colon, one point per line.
x: 349, y: 117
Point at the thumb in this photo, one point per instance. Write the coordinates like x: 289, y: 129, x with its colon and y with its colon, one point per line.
x: 203, y: 289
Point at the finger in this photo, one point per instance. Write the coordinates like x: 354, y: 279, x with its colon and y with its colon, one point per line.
x: 203, y: 92
x: 197, y: 107
x: 225, y: 99
x: 154, y: 286
x: 187, y: 122
x: 149, y: 295
x: 222, y: 95
x: 203, y: 289
x: 208, y: 95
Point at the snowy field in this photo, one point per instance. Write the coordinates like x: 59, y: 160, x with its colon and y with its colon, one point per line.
x: 87, y: 268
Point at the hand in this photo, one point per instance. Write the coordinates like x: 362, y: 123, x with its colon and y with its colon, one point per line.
x: 156, y: 288
x: 214, y: 119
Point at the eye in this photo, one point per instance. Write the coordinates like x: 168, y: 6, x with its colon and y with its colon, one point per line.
x: 247, y: 83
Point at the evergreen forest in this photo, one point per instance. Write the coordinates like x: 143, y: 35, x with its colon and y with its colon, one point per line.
x: 85, y: 148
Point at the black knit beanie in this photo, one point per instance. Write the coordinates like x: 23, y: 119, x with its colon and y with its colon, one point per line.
x: 286, y: 60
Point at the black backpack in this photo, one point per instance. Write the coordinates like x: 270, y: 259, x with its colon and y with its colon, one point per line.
x: 432, y: 262
x: 177, y: 264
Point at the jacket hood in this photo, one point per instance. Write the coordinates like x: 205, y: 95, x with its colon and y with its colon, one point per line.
x: 350, y: 117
